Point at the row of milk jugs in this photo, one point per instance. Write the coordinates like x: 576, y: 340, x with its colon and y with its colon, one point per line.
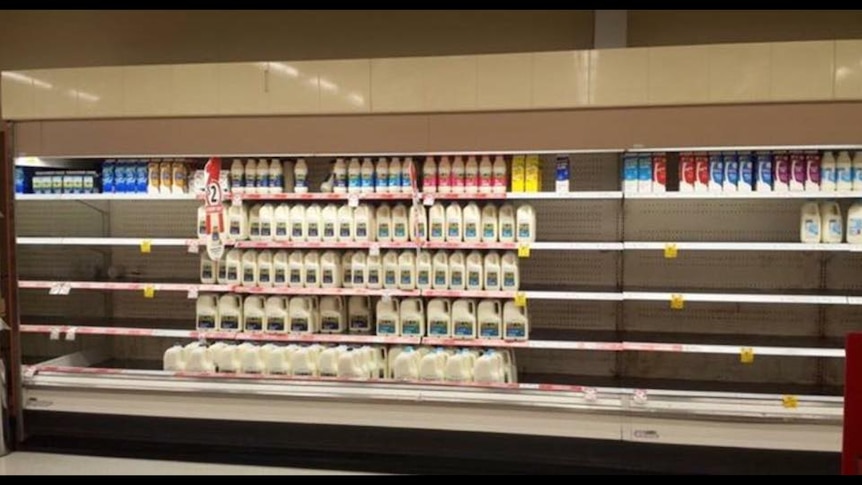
x: 333, y: 223
x: 407, y: 270
x: 461, y: 318
x: 346, y: 362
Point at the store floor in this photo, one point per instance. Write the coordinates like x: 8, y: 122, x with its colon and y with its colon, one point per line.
x: 27, y: 463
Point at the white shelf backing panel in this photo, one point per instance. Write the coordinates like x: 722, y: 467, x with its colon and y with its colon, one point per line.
x: 560, y: 269
x: 844, y: 194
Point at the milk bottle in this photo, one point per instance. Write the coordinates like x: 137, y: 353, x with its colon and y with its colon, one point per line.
x: 312, y: 223
x: 383, y: 218
x: 471, y: 175
x: 440, y: 271
x: 439, y: 318
x: 230, y: 313
x: 347, y: 269
x: 254, y: 222
x: 298, y: 224
x: 492, y: 271
x: 429, y: 176
x: 390, y: 270
x: 509, y: 269
x: 388, y: 317
x: 437, y: 223
x: 374, y: 267
x: 399, y: 223
x: 457, y: 177
x: 312, y: 269
x: 333, y: 315
x: 276, y: 313
x: 296, y: 269
x: 363, y: 217
x: 457, y: 271
x: 330, y: 270
x: 249, y: 268
x: 515, y: 324
x: 490, y: 318
x: 209, y: 270
x: 303, y: 314
x: 345, y: 224
x: 359, y: 315
x: 233, y: 264
x: 472, y: 223
x: 844, y: 171
x: 359, y: 270
x: 237, y: 216
x: 381, y: 176
x: 423, y: 270
x: 810, y: 223
x: 526, y: 220
x: 280, y: 269
x: 418, y: 223
x: 366, y: 175
x: 464, y: 318
x: 507, y: 223
x: 475, y: 271
x: 489, y: 223
x: 253, y: 314
x: 444, y: 176
x: 329, y: 223
x: 454, y: 223
x: 828, y: 173
x: 407, y: 270
x: 831, y: 223
x: 412, y: 317
x: 206, y: 313
x: 265, y: 269
x: 282, y: 222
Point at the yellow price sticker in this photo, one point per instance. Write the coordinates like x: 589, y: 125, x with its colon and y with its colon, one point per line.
x: 523, y: 250
x: 146, y: 246
x: 790, y: 402
x: 670, y: 251
x: 677, y: 302
x: 520, y: 299
x: 746, y: 355
x: 149, y: 291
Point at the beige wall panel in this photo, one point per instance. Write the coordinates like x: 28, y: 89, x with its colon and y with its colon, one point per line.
x: 678, y: 75
x: 292, y: 88
x: 619, y: 77
x: 60, y: 100
x: 739, y: 72
x: 18, y: 95
x: 241, y: 88
x: 345, y: 86
x: 607, y: 128
x: 390, y: 133
x: 195, y: 90
x: 505, y: 81
x: 397, y: 85
x: 560, y: 79
x: 802, y: 71
x: 28, y: 138
x: 450, y: 83
x: 107, y: 137
x: 848, y: 69
x: 100, y: 92
x: 147, y: 91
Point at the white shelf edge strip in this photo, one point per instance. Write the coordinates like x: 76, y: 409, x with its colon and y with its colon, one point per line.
x: 104, y: 241
x: 739, y: 246
x: 736, y: 298
x: 742, y: 195
x: 102, y: 196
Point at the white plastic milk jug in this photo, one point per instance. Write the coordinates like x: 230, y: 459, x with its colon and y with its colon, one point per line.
x: 267, y: 222
x: 230, y: 313
x: 489, y: 223
x: 459, y: 367
x: 439, y: 318
x: 809, y: 223
x: 359, y: 315
x: 345, y: 224
x: 454, y: 223
x: 254, y: 222
x: 363, y: 223
x: 412, y: 317
x: 490, y: 318
x: 475, y: 267
x: 457, y: 271
x: 383, y: 219
x: 507, y: 223
x: 854, y: 223
x: 347, y: 269
x: 330, y: 270
x: 233, y: 263
x: 511, y: 279
x: 388, y: 317
x: 432, y: 367
x: 526, y: 220
x: 444, y: 176
x: 296, y: 269
x: 831, y: 223
x: 253, y: 314
x: 209, y: 270
x: 423, y: 270
x: 237, y: 216
x: 429, y: 176
x: 333, y: 314
x: 472, y: 223
x: 437, y: 223
x: 440, y: 271
x: 282, y: 222
x: 407, y: 270
x: 206, y: 313
x: 359, y: 270
x: 173, y: 359
x: 515, y: 323
x: 298, y: 225
x: 276, y: 313
x: 390, y: 270
x: 312, y: 269
x: 265, y: 269
x: 489, y: 368
x: 329, y: 223
x: 249, y: 268
x: 280, y: 269
x: 303, y: 361
x: 303, y: 314
x: 374, y: 275
x: 399, y: 220
x: 418, y: 223
x: 405, y: 366
x: 464, y: 318
x: 492, y: 271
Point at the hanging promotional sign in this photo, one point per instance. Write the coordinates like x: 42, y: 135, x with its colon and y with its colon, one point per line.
x: 214, y: 210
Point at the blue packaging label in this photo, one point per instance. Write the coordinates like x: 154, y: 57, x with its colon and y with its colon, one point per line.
x: 454, y: 229
x: 488, y: 230
x: 275, y: 324
x: 463, y: 329
x: 812, y: 228
x: 506, y: 231
x: 456, y: 279
x: 373, y: 276
x: 764, y: 170
x: 232, y: 272
x: 121, y: 184
x: 311, y: 276
x: 630, y: 168
x: 389, y: 277
x: 300, y: 180
x: 236, y: 180
x: 438, y: 327
x: 142, y: 177
x: 395, y: 179
x: 716, y: 169
x: 367, y: 180
x: 515, y: 330
x: 206, y: 321
x: 410, y: 327
x: 298, y: 324
x: 297, y: 230
x: 19, y: 180
x: 385, y: 326
x: 381, y: 180
x: 645, y: 169
x: 489, y: 330
x: 406, y: 279
x: 473, y: 279
x: 354, y: 181
x: 422, y: 277
x: 276, y: 181
x: 265, y: 229
x: 359, y: 324
x: 828, y: 174
x: 253, y: 323
x: 328, y: 229
x: 230, y: 322
x: 854, y: 226
x: 436, y: 230
x: 263, y: 277
x: 327, y: 277
x: 405, y: 180
x: 731, y: 167
x: 344, y: 230
x: 746, y: 170
x: 296, y: 276
x: 440, y: 278
x: 313, y: 230
x: 562, y: 169
x: 400, y: 230
x: 491, y: 280
x: 383, y: 231
x: 845, y: 174
x: 524, y: 230
x: 361, y: 230
x: 108, y: 177
x: 359, y: 278
x: 279, y: 275
x: 470, y: 230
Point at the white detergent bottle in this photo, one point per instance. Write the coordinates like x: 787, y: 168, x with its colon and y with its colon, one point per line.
x: 444, y: 176
x: 407, y: 270
x: 174, y: 359
x: 354, y: 176
x: 809, y: 223
x: 347, y: 269
x: 388, y: 317
x: 209, y: 270
x: 289, y: 176
x: 339, y: 176
x: 457, y: 271
x: 423, y: 270
x: 300, y: 177
x: 275, y: 308
x: 206, y: 313
x: 489, y: 223
x: 407, y: 173
x: 472, y: 223
x: 831, y: 223
x: 412, y: 317
x: 395, y: 175
x: 390, y: 270
x: 366, y: 176
x: 364, y: 229
x: 454, y: 223
x: 236, y: 178
x: 854, y: 223
x: 381, y: 176
x: 359, y: 269
x: 333, y: 314
x: 312, y: 269
x: 488, y: 368
x: 202, y: 221
x: 267, y: 222
x: 507, y: 223
x: 230, y: 313
x: 359, y: 320
x: 237, y: 216
x: 282, y: 222
x: 265, y: 269
x: 437, y: 223
x: 280, y: 269
x: 499, y: 181
x: 253, y: 314
x: 511, y: 278
x: 857, y: 172
x: 313, y: 223
x: 515, y: 323
x: 492, y: 271
x: 249, y: 268
x: 330, y: 270
x: 345, y: 224
x: 526, y: 222
x: 486, y: 175
x: 254, y: 222
x: 276, y: 176
x: 429, y: 176
x: 303, y: 314
x: 374, y: 267
x: 464, y: 318
x: 383, y: 219
x: 828, y: 173
x: 262, y: 180
x: 844, y: 172
x: 458, y: 175
x: 250, y: 176
x: 459, y: 367
x: 233, y: 265
x: 471, y: 175
x: 298, y: 225
x: 439, y: 318
x: 440, y: 271
x: 490, y: 318
x: 329, y: 223
x: 432, y: 366
x: 296, y: 269
x: 399, y: 221
x: 418, y: 223
x: 475, y: 271
x: 405, y: 365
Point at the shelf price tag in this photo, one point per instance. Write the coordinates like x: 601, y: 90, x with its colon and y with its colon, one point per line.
x: 55, y: 333
x: 70, y: 334
x: 149, y: 291
x: 520, y: 299
x: 353, y: 200
x: 746, y: 355
x: 523, y: 250
x: 193, y: 293
x: 590, y: 394
x: 428, y: 199
x: 146, y: 246
x: 194, y: 246
x: 236, y: 199
x: 677, y: 302
x: 640, y: 396
x: 790, y: 402
x: 670, y: 251
x: 374, y: 249
x: 60, y: 289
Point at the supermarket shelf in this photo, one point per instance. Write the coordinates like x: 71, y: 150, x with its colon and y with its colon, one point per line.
x: 565, y: 195
x: 257, y: 290
x: 326, y: 196
x: 737, y: 298
x: 741, y: 246
x: 105, y: 241
x: 574, y: 295
x: 121, y: 286
x: 743, y: 195
x: 108, y: 197
x: 468, y: 294
x: 322, y: 245
x: 480, y: 196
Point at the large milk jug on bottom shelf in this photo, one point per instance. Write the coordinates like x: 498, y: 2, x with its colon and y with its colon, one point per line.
x: 492, y: 271
x: 363, y: 220
x: 457, y: 271
x: 346, y: 225
x: 312, y: 269
x: 454, y: 223
x: 233, y: 264
x: 276, y: 313
x: 459, y: 367
x: 312, y: 223
x: 440, y: 271
x: 407, y: 270
x: 515, y: 323
x: 298, y: 224
x: 267, y: 222
x: 412, y: 317
x: 278, y: 358
x: 390, y: 270
x: 237, y: 217
x: 254, y: 222
x: 510, y: 274
x: 206, y: 313
x: 475, y: 271
x: 464, y: 319
x: 809, y: 223
x: 253, y: 314
x: 280, y: 269
x: 250, y: 360
x: 209, y: 270
x: 472, y: 223
x: 249, y: 268
x: 354, y: 364
x: 405, y: 365
x: 359, y: 269
x: 230, y: 313
x: 854, y: 223
x: 328, y: 360
x: 490, y: 318
x: 831, y: 223
x: 226, y: 358
x: 489, y: 368
x: 173, y: 359
x: 388, y: 317
x: 400, y: 232
x: 439, y: 318
x: 296, y: 269
x: 265, y: 269
x: 383, y: 219
x: 199, y: 359
x: 489, y: 223
x: 423, y: 270
x: 374, y: 272
x: 302, y: 313
x: 359, y: 315
x: 330, y: 270
x: 526, y: 223
x: 303, y: 361
x: 329, y: 223
x: 418, y: 223
x: 281, y: 216
x: 437, y: 223
x: 432, y: 367
x: 506, y: 218
x: 333, y: 315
